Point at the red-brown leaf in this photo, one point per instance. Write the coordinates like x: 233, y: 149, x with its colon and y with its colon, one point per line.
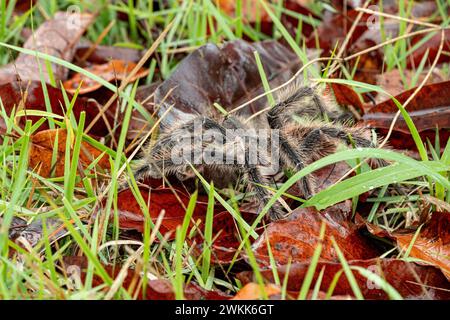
x: 296, y: 238
x: 412, y: 281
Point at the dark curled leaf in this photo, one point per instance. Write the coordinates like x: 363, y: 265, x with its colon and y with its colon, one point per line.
x: 412, y: 281
x: 227, y: 75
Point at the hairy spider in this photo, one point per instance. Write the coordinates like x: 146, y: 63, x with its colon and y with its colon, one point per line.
x: 303, y: 126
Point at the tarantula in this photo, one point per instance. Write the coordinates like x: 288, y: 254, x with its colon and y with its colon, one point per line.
x: 305, y: 125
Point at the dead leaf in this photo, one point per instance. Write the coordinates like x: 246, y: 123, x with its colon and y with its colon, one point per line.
x: 393, y: 81
x: 227, y: 238
x: 226, y: 75
x: 430, y: 109
x: 157, y: 289
x: 33, y: 232
x: 252, y: 291
x: 432, y: 46
x: 253, y: 13
x: 172, y: 203
x: 296, y: 238
x: 412, y: 281
x: 30, y: 96
x: 41, y: 153
x: 346, y: 96
x: 102, y: 54
x: 432, y: 245
x: 334, y: 28
x: 56, y: 37
x: 113, y: 70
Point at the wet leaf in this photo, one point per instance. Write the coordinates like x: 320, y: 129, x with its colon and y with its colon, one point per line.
x: 30, y: 96
x: 432, y: 244
x: 157, y: 289
x: 41, y: 153
x: 430, y: 109
x: 113, y: 70
x: 103, y: 54
x: 412, y: 281
x: 432, y: 46
x: 227, y: 75
x: 56, y: 37
x: 252, y: 291
x: 297, y: 237
x: 171, y: 202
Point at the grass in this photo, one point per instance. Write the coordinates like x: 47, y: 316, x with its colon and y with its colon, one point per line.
x: 77, y: 199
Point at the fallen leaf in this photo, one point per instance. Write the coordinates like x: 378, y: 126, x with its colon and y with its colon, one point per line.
x: 156, y: 289
x: 346, y: 96
x: 335, y: 28
x: 171, y: 202
x: 41, y: 153
x: 113, y: 70
x: 103, y: 54
x: 56, y: 37
x: 227, y: 238
x: 33, y: 232
x: 432, y: 46
x: 428, y: 110
x: 412, y: 281
x: 226, y: 75
x: 30, y: 96
x: 296, y: 238
x: 252, y: 291
x: 432, y: 244
x: 393, y: 81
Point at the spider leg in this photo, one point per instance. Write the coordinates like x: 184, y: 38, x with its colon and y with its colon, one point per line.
x: 300, y: 101
x: 292, y: 157
x: 159, y: 160
x: 319, y: 140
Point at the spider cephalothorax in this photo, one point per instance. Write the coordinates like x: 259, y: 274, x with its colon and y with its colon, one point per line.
x: 300, y: 128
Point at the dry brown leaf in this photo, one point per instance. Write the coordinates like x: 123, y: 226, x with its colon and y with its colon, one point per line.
x: 57, y: 37
x: 296, y: 238
x: 41, y: 153
x: 433, y: 243
x: 252, y: 291
x: 114, y: 69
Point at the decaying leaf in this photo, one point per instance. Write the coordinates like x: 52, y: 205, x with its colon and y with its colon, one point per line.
x: 226, y: 75
x: 41, y: 153
x: 57, y: 37
x: 296, y: 238
x: 112, y: 70
x: 432, y: 244
x: 30, y: 96
x: 156, y: 289
x: 410, y: 280
x: 429, y: 109
x: 252, y: 291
